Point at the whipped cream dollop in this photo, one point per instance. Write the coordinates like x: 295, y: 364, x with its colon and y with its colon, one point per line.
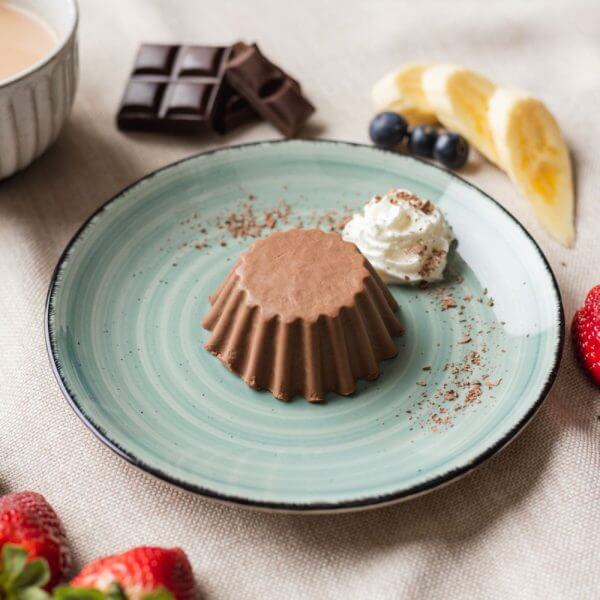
x: 405, y: 237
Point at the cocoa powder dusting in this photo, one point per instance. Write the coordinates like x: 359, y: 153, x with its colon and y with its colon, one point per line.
x: 244, y: 223
x: 461, y: 384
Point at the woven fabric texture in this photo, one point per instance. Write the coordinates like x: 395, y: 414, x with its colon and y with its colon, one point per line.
x: 524, y: 525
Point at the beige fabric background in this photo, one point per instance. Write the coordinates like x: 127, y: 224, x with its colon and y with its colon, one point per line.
x: 525, y: 525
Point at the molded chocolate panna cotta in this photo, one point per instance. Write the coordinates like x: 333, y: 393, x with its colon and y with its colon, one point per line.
x: 302, y: 312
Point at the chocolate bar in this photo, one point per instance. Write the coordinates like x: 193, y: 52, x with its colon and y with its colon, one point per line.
x: 177, y: 89
x: 268, y: 89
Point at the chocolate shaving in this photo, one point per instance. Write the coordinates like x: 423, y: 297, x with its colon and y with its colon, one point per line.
x: 492, y: 384
x: 473, y: 394
x: 448, y: 302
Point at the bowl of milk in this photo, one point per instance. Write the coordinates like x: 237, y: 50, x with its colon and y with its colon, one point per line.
x: 38, y: 77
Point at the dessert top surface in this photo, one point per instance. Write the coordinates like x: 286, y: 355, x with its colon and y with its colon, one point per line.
x: 302, y: 274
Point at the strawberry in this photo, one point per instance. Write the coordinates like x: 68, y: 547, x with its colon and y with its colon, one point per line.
x: 29, y: 522
x: 586, y: 334
x: 142, y: 573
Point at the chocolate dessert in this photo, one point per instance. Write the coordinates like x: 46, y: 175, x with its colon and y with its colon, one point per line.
x: 302, y: 312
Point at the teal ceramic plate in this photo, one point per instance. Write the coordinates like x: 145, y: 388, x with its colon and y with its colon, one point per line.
x: 124, y: 336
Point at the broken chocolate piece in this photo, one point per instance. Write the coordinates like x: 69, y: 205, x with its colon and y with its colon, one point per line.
x: 232, y: 111
x: 268, y: 89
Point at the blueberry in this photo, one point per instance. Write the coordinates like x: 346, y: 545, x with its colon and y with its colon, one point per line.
x: 388, y: 129
x: 422, y: 140
x: 452, y: 150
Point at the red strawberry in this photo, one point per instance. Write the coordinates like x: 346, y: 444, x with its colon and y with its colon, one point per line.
x: 27, y: 520
x: 586, y: 334
x: 140, y: 572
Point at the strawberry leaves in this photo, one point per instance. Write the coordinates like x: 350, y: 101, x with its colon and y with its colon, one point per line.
x: 114, y: 592
x: 159, y: 594
x: 20, y: 579
x: 23, y: 580
x: 65, y: 592
x: 74, y: 593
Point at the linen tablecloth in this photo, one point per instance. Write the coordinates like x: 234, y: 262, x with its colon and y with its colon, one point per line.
x: 524, y: 525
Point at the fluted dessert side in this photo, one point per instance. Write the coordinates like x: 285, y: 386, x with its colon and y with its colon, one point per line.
x: 303, y: 357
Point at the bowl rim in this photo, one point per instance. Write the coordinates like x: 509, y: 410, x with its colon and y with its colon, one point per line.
x: 60, y: 46
x: 367, y: 502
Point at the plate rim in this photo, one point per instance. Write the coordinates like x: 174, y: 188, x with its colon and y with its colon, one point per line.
x: 281, y: 506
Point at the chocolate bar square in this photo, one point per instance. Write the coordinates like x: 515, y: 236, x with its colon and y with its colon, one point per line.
x: 155, y: 60
x: 200, y: 61
x: 174, y: 89
x: 189, y: 98
x: 143, y: 97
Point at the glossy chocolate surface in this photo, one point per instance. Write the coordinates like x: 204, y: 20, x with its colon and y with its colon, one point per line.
x: 175, y: 89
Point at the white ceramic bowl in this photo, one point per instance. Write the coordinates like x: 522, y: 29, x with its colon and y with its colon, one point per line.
x: 35, y: 103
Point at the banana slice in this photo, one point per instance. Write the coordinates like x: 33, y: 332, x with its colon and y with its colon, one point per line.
x: 411, y: 113
x: 533, y: 152
x: 401, y: 92
x: 460, y: 99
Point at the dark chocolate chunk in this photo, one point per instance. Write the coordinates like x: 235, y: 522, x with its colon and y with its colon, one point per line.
x: 175, y: 89
x: 233, y: 111
x: 268, y: 89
